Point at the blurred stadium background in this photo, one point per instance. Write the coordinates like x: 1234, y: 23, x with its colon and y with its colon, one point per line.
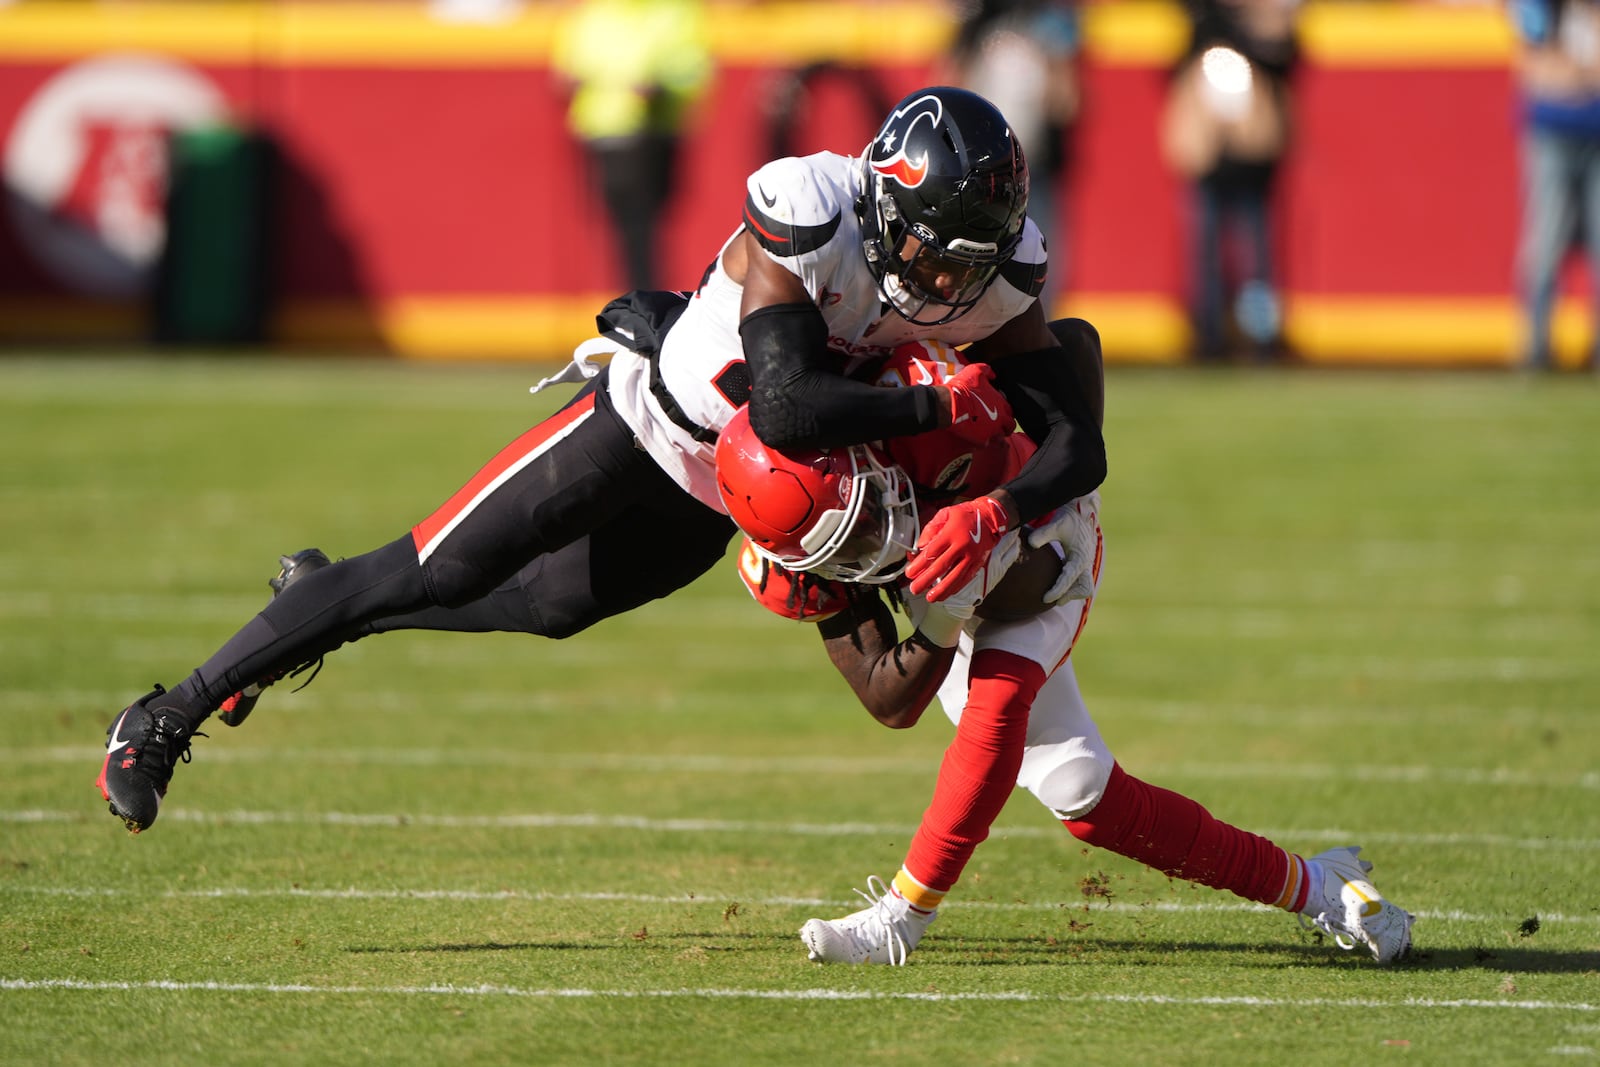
x: 426, y: 198
x: 1345, y: 606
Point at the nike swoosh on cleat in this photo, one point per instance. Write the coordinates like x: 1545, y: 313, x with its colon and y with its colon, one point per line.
x: 1369, y: 906
x: 116, y: 741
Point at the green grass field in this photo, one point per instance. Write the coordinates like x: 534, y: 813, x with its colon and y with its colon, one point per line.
x: 1338, y: 609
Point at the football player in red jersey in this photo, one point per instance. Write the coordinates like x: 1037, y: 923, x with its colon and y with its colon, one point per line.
x: 825, y: 529
x: 838, y: 260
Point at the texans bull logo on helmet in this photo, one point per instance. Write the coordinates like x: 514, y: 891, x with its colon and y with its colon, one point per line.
x: 943, y: 204
x: 896, y: 136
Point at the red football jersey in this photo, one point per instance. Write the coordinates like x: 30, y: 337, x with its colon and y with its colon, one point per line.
x: 943, y: 467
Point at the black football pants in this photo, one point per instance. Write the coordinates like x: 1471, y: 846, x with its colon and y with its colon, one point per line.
x: 569, y: 524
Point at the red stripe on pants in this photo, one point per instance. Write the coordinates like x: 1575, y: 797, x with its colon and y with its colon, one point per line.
x: 508, y: 457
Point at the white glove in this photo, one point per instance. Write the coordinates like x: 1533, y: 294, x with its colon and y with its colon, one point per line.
x: 942, y: 623
x: 1075, y: 526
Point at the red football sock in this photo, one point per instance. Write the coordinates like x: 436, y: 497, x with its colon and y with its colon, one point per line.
x: 979, y: 768
x: 1181, y: 839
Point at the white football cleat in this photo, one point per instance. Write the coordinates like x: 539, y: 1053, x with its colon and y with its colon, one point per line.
x: 885, y: 931
x: 1347, y: 907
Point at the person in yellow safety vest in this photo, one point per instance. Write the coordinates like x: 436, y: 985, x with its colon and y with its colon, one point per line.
x: 634, y: 69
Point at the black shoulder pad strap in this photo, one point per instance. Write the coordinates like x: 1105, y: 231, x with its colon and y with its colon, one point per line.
x: 639, y: 320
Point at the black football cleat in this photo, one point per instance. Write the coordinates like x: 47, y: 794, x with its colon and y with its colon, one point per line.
x: 292, y: 568
x: 143, y: 746
x: 238, y: 707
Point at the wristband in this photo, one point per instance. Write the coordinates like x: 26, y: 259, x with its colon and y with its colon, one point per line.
x: 936, y: 625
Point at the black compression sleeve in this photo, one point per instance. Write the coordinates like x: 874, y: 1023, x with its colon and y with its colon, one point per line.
x: 1050, y: 405
x: 798, y: 398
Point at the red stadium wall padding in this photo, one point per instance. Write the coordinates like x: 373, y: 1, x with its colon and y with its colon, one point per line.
x: 431, y: 199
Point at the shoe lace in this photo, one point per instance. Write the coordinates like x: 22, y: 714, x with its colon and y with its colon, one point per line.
x: 167, y: 747
x: 1334, y: 928
x: 882, y: 916
x: 312, y: 665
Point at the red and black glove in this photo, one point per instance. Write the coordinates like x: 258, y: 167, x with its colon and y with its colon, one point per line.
x: 954, y: 546
x: 978, y: 411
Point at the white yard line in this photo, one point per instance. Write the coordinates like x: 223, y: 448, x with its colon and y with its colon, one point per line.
x: 811, y: 765
x: 1363, y: 1003
x: 600, y: 820
x: 717, y: 899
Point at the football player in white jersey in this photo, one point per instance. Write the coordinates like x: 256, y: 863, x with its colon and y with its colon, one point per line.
x: 825, y: 529
x: 837, y: 260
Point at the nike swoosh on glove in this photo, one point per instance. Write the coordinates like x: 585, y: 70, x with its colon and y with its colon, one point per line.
x: 1075, y: 526
x: 978, y: 411
x: 955, y: 546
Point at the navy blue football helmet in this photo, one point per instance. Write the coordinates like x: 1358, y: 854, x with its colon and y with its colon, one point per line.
x: 944, y: 202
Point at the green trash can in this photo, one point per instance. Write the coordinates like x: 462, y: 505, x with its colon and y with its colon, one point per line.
x: 213, y: 279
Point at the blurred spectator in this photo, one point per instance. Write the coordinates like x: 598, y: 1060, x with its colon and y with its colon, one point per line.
x: 1559, y: 66
x: 1022, y: 55
x: 634, y: 68
x: 1225, y: 129
x: 806, y: 107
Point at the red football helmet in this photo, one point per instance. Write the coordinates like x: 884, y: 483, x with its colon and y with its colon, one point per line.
x: 842, y: 514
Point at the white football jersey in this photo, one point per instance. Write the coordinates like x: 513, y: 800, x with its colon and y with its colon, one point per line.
x: 802, y: 212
